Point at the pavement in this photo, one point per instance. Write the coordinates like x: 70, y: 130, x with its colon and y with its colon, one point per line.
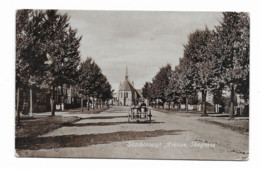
x: 170, y: 136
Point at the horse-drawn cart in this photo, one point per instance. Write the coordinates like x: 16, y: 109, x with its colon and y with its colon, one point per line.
x: 140, y: 114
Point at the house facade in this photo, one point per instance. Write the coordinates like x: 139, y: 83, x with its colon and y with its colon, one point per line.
x: 65, y: 98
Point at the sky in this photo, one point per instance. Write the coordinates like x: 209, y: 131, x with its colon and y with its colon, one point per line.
x: 142, y: 41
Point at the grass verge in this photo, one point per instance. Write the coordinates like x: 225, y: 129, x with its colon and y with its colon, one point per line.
x: 238, y: 125
x: 85, y: 111
x: 38, y: 125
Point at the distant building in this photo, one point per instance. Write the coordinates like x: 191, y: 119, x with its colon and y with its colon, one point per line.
x: 209, y: 97
x: 127, y: 94
x: 65, y: 94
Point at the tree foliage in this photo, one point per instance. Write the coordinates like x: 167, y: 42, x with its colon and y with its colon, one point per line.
x: 92, y: 83
x: 158, y: 88
x: 62, y: 49
x: 47, y: 55
x: 147, y: 90
x: 213, y: 61
x: 30, y: 53
x: 234, y: 34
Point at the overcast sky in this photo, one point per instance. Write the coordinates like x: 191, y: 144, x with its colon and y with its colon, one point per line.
x: 143, y: 41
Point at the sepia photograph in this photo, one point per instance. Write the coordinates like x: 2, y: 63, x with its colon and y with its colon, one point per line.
x: 121, y: 84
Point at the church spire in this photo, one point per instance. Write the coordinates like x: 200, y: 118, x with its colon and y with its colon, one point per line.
x: 126, y: 73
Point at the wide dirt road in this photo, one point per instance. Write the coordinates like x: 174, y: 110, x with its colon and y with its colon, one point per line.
x: 170, y: 136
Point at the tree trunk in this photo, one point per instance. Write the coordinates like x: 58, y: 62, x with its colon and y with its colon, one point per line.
x: 18, y: 106
x: 204, y: 95
x: 82, y: 105
x: 232, y: 102
x: 31, y: 104
x: 169, y: 105
x: 93, y: 103
x: 187, y: 103
x: 204, y: 108
x: 88, y: 103
x: 62, y: 98
x: 53, y: 102
x: 52, y: 107
x: 179, y: 106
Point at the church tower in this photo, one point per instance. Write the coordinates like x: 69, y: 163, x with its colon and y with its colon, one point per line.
x: 126, y: 74
x: 127, y: 94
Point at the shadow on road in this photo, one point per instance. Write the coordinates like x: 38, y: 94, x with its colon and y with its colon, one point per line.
x: 93, y: 124
x: 56, y: 142
x: 104, y: 117
x: 106, y: 123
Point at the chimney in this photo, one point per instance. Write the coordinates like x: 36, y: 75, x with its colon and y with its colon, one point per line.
x: 133, y: 83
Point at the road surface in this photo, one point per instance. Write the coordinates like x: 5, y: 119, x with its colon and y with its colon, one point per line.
x: 170, y: 136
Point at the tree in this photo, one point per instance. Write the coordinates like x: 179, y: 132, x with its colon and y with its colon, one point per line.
x: 200, y: 50
x: 146, y: 91
x: 87, y: 79
x: 185, y: 79
x: 97, y: 76
x: 92, y: 83
x: 161, y: 82
x: 218, y: 98
x: 84, y: 82
x: 62, y: 52
x: 234, y: 36
x: 46, y: 50
x: 30, y: 52
x: 172, y: 91
x: 100, y: 88
x: 107, y: 92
